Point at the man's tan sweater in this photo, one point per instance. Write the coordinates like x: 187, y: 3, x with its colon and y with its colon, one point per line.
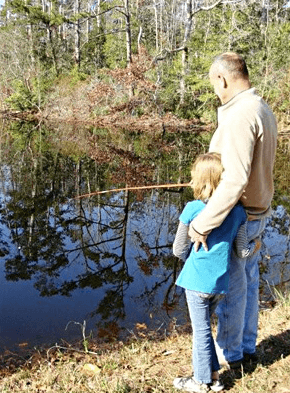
x: 246, y: 139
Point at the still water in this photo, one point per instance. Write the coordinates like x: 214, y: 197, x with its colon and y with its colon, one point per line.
x: 97, y: 261
x: 105, y: 259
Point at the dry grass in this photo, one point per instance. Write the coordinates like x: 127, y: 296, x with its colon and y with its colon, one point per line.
x: 149, y: 362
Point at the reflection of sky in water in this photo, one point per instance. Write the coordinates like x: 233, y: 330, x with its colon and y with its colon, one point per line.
x: 26, y: 316
x: 89, y: 232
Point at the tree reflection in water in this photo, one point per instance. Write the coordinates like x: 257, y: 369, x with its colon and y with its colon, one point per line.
x: 112, y: 251
x: 106, y: 243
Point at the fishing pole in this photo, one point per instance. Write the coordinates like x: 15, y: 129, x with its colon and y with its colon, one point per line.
x: 132, y: 189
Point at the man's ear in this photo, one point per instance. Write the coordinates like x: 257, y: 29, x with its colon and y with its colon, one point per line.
x: 223, y: 81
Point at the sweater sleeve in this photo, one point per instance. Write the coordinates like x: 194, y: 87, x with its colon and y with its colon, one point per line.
x: 181, y: 244
x: 242, y: 246
x: 235, y: 141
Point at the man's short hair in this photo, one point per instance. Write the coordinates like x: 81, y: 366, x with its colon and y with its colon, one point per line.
x: 233, y: 63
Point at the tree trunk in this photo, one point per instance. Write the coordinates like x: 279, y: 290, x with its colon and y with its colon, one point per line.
x: 88, y: 23
x: 191, y: 9
x: 128, y: 33
x: 139, y: 39
x: 161, y: 27
x: 98, y: 14
x: 184, y: 58
x: 77, y: 34
x: 156, y: 27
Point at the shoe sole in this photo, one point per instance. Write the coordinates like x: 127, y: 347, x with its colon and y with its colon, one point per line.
x: 187, y: 389
x: 217, y: 389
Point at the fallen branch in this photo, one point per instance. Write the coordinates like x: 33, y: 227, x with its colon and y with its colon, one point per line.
x: 132, y: 188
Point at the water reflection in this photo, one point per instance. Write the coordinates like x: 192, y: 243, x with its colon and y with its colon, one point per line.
x: 105, y: 259
x: 109, y: 256
x: 275, y: 263
x: 99, y: 248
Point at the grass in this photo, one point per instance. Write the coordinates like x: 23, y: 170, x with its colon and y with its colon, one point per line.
x: 149, y: 361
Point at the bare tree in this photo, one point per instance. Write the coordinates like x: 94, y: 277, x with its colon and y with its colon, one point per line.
x: 192, y: 8
x: 77, y: 33
x: 127, y: 15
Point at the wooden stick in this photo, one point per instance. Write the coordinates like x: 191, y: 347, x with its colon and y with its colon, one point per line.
x: 132, y: 188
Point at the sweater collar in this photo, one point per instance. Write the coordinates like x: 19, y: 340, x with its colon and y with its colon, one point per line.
x: 237, y: 97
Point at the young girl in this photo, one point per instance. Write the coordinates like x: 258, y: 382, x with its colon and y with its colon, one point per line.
x: 205, y: 273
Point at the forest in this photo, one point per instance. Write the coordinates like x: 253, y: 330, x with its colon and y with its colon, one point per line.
x: 85, y: 60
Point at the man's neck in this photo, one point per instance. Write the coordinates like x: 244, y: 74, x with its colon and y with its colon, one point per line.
x: 235, y: 90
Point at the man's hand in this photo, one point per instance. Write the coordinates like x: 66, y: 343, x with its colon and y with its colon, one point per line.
x: 197, y: 239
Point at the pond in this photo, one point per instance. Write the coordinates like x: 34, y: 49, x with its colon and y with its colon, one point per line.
x: 104, y: 262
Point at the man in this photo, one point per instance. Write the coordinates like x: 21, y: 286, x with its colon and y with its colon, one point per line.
x: 246, y: 139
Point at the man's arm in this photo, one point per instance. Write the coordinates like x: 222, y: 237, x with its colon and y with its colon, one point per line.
x: 236, y: 148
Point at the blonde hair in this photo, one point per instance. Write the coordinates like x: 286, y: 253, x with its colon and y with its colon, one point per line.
x: 205, y: 175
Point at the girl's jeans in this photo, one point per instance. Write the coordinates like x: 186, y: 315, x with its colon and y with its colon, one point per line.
x: 204, y: 358
x: 238, y: 310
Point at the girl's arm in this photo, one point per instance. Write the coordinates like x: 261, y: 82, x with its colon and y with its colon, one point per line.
x: 242, y: 246
x: 182, y: 242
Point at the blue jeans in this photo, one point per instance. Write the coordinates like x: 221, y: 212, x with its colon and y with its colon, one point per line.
x: 238, y: 311
x: 204, y: 358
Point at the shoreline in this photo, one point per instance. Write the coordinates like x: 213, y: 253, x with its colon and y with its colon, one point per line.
x: 148, y: 361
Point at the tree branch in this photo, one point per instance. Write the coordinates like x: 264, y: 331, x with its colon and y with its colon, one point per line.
x: 207, y: 8
x: 166, y: 52
x: 109, y: 9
